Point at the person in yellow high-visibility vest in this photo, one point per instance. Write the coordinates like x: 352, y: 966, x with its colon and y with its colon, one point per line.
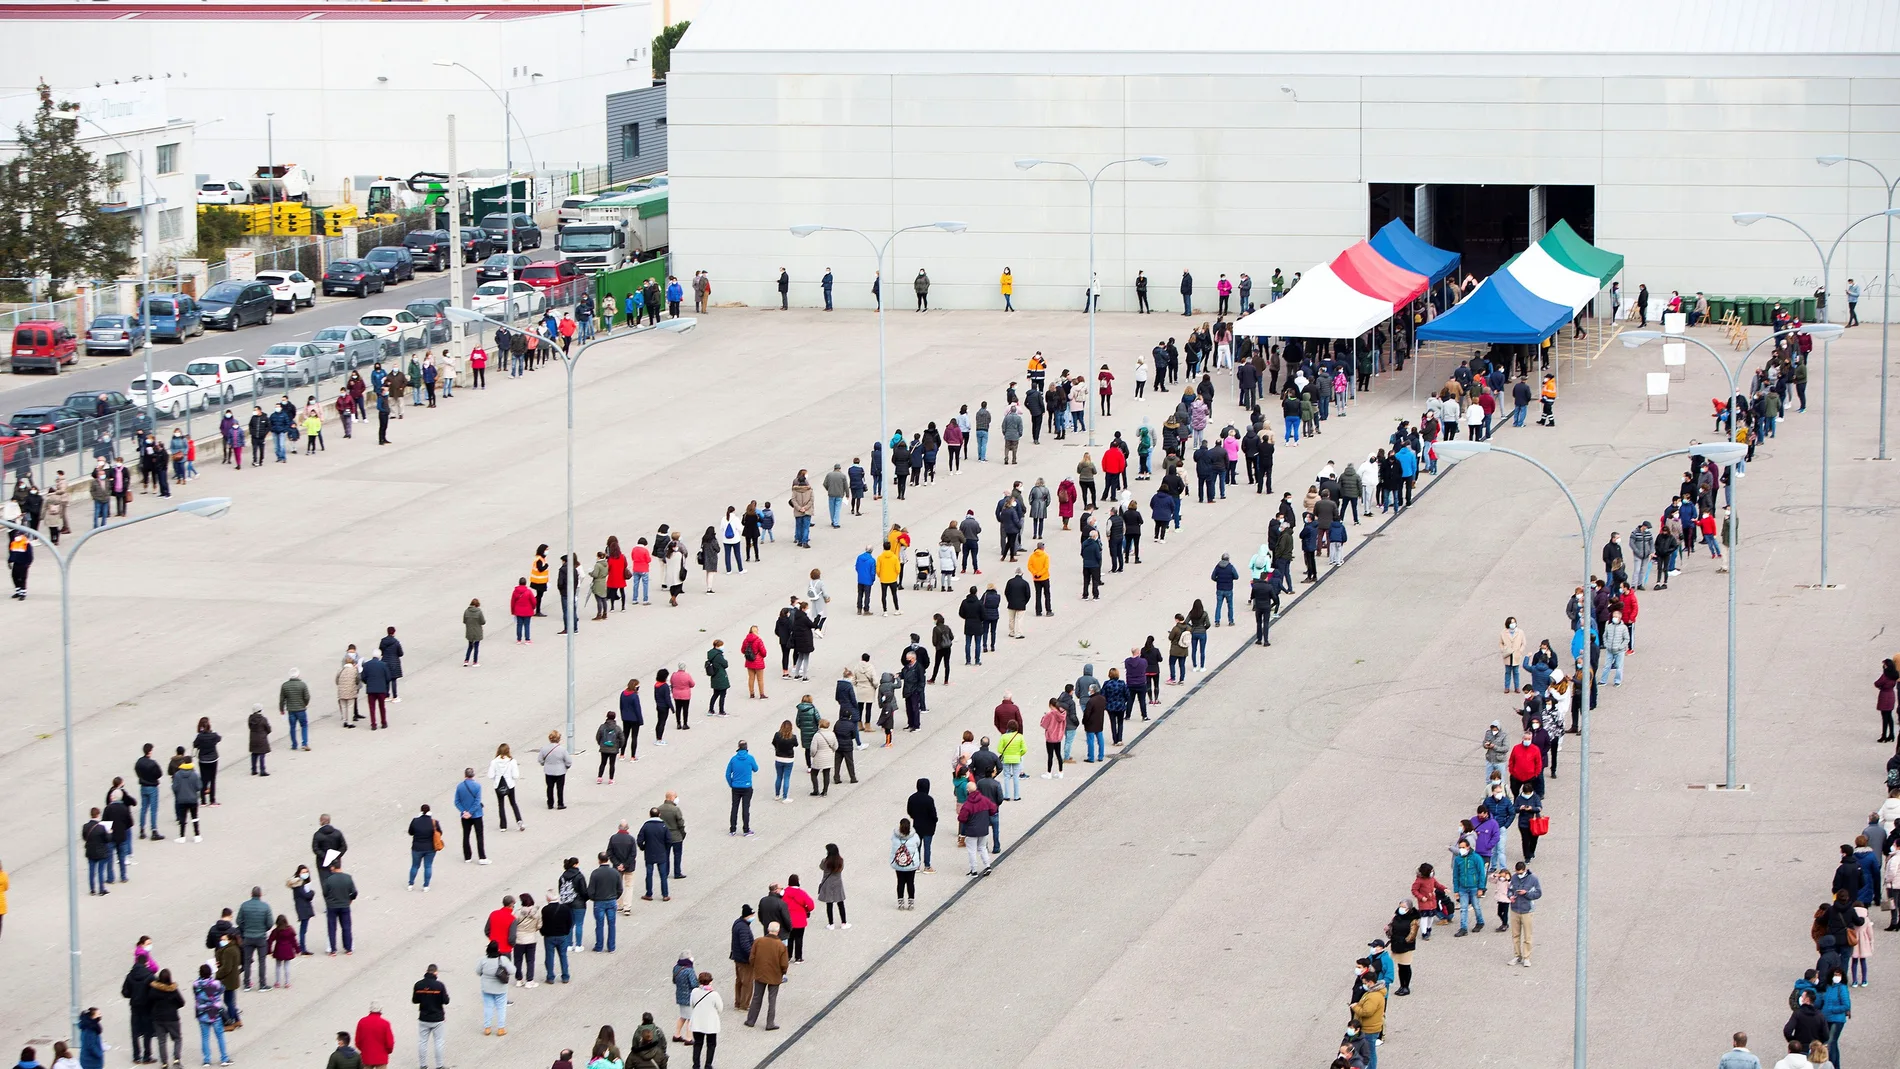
x: 538, y: 577
x: 1549, y: 417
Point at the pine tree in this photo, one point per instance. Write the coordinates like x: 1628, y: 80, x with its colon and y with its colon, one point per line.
x: 663, y: 45
x: 51, y: 221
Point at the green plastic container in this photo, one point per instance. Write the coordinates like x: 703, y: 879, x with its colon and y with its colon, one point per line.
x: 1809, y: 313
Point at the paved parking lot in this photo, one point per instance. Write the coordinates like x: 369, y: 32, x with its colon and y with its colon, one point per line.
x: 1208, y: 892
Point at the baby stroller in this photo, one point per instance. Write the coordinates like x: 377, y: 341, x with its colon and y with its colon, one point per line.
x: 946, y: 567
x: 923, y: 566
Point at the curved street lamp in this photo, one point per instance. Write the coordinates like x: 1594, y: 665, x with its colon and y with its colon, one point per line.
x: 1455, y: 451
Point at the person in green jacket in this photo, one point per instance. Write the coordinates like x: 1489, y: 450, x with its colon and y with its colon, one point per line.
x: 717, y: 678
x: 473, y: 621
x: 599, y: 577
x: 806, y: 717
x: 1467, y: 882
x: 254, y: 920
x: 293, y: 700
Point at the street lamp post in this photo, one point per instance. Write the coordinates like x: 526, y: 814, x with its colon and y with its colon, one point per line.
x: 570, y: 612
x: 1636, y: 339
x: 805, y: 230
x: 207, y: 508
x: 1459, y: 450
x: 1886, y: 284
x: 1827, y: 261
x: 1089, y: 382
x: 508, y: 127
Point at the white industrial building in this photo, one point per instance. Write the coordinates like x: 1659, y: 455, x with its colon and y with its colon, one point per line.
x: 347, y: 88
x: 1291, y: 131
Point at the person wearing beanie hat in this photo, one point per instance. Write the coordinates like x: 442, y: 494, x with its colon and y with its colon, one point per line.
x: 741, y: 958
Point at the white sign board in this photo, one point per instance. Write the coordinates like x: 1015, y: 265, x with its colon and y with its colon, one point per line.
x: 1658, y: 383
x: 240, y: 264
x: 1674, y: 322
x: 1675, y: 354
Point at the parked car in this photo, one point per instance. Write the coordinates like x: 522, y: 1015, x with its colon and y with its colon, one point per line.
x: 527, y: 231
x: 352, y: 276
x: 556, y: 279
x: 398, y: 329
x: 234, y: 303
x: 348, y: 347
x: 475, y: 245
x: 291, y: 288
x: 114, y: 334
x: 570, y: 209
x: 234, y: 191
x: 429, y: 248
x: 437, y: 327
x: 43, y: 345
x: 495, y: 268
x: 393, y: 261
x: 489, y: 297
x: 110, y: 409
x: 227, y: 377
x: 172, y: 392
x: 173, y: 317
x: 288, y: 363
x: 14, y: 452
x: 57, y: 426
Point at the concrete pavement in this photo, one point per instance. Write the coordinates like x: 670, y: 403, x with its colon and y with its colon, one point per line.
x: 332, y: 549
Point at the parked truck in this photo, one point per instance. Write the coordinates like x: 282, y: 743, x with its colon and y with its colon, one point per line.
x: 280, y: 182
x: 616, y: 230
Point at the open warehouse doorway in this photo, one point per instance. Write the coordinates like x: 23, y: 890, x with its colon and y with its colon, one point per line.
x: 1485, y: 224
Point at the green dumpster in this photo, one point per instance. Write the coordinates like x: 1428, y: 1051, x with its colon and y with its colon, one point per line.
x: 1718, y: 308
x: 1756, y: 311
x: 1808, y: 312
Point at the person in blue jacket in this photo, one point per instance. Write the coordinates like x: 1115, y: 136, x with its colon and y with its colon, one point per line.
x: 1837, y: 1005
x: 1309, y: 547
x: 468, y: 803
x: 1224, y: 576
x: 1408, y: 469
x: 1380, y: 961
x: 855, y: 473
x: 1467, y: 881
x: 674, y: 294
x: 739, y: 770
x: 1161, y: 510
x: 867, y: 577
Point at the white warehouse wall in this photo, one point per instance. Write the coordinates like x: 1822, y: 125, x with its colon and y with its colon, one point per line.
x: 320, y: 78
x: 762, y: 139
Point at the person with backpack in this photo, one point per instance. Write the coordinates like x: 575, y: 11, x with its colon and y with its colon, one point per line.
x: 608, y: 740
x: 905, y: 847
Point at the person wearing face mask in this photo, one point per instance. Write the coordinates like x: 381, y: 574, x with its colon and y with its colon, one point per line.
x: 1530, y: 807
x: 1526, y: 764
x: 1403, y: 930
x: 1511, y: 644
x: 1467, y: 883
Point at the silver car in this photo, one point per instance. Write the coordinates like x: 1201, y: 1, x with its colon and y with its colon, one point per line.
x: 347, y: 347
x: 288, y: 363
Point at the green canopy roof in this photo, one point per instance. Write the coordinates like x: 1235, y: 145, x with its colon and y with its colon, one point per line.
x: 1570, y: 250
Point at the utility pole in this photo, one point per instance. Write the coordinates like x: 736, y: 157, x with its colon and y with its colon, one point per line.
x: 455, y: 234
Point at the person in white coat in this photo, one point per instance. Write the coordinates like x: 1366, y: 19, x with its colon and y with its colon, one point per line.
x: 705, y: 1005
x: 1474, y: 421
x: 504, y: 775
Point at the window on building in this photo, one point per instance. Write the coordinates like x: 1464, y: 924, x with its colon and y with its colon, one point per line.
x: 116, y: 165
x: 630, y: 141
x: 168, y: 159
x: 171, y: 224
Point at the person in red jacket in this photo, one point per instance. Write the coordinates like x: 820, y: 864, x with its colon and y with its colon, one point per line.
x: 374, y: 1038
x: 1629, y: 614
x: 1106, y: 380
x: 1114, y: 468
x: 800, y: 903
x: 499, y: 924
x: 1526, y: 765
x: 521, y: 605
x: 752, y: 649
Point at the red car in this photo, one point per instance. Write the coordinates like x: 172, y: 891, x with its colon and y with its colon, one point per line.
x: 556, y: 278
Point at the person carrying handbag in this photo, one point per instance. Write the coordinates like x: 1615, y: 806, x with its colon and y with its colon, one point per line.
x: 1532, y: 824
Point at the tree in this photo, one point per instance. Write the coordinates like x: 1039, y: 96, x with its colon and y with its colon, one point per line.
x: 51, y: 222
x: 663, y: 47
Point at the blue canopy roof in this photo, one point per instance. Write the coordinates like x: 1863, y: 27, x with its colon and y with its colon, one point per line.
x: 1396, y: 242
x: 1502, y: 311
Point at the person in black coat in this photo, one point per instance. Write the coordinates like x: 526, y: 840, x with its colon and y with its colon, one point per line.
x: 912, y: 675
x: 1016, y: 594
x: 391, y: 650
x: 922, y: 809
x: 782, y: 630
x: 970, y: 611
x: 992, y: 614
x: 800, y: 627
x: 136, y: 989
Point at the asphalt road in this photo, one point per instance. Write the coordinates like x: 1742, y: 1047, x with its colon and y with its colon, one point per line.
x: 117, y: 373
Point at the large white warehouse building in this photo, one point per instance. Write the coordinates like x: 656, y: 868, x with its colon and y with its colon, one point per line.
x: 1290, y: 131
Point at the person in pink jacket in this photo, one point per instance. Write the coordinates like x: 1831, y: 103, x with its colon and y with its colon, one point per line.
x: 682, y: 684
x: 1055, y: 725
x: 639, y: 562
